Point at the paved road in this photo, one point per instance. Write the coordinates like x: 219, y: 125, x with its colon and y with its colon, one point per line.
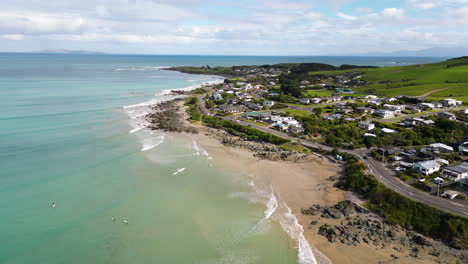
x: 382, y: 174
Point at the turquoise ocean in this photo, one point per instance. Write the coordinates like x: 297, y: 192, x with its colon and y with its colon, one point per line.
x: 72, y: 132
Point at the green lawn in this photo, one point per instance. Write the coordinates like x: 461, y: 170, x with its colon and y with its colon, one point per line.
x: 415, y: 80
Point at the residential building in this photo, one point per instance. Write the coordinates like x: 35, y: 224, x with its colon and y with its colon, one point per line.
x: 451, y: 102
x: 315, y: 100
x: 268, y: 103
x: 333, y: 117
x: 447, y: 115
x: 365, y: 110
x: 427, y: 167
x: 366, y: 125
x: 457, y: 172
x: 304, y: 100
x: 231, y: 108
x: 296, y: 130
x: 441, y: 148
x: 394, y: 107
x: 385, y: 113
x: 253, y: 106
x: 388, y: 130
x: 217, y: 96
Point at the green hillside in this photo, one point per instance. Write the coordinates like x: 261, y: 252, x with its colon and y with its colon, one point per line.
x: 437, y: 80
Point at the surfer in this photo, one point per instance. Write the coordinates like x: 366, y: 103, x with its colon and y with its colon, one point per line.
x: 114, y: 219
x: 125, y: 222
x: 53, y: 204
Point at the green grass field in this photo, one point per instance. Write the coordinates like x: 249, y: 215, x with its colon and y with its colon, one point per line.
x: 416, y: 80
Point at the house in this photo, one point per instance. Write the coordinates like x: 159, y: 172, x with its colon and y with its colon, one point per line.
x: 315, y: 100
x: 451, y: 102
x: 335, y: 98
x: 369, y: 135
x: 350, y: 119
x: 371, y: 96
x: 441, y: 148
x: 347, y: 97
x: 333, y: 117
x: 231, y: 108
x: 258, y: 115
x: 268, y: 103
x: 388, y: 130
x: 463, y: 147
x: 365, y: 110
x: 427, y: 167
x: 394, y: 107
x: 447, y: 115
x: 304, y: 100
x: 457, y: 172
x: 217, y: 96
x: 450, y: 194
x: 366, y: 125
x: 253, y: 106
x: 232, y: 101
x: 427, y: 105
x: 296, y: 130
x: 385, y: 113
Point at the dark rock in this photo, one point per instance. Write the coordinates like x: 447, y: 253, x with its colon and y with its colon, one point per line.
x: 333, y: 212
x: 314, y: 222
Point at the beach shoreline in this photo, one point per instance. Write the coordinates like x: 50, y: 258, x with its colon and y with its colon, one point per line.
x: 299, y: 185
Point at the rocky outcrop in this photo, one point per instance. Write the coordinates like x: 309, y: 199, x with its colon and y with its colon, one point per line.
x: 167, y: 116
x: 261, y: 150
x: 351, y: 224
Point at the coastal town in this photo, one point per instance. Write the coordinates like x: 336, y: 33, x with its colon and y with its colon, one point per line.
x: 391, y: 130
x: 405, y: 155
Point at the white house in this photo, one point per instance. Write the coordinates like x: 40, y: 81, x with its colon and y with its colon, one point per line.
x: 304, y: 100
x: 366, y: 125
x: 394, y: 107
x: 388, y: 130
x: 385, y: 113
x: 370, y: 96
x: 441, y: 148
x: 315, y: 100
x: 369, y: 135
x: 268, y: 103
x: 457, y: 172
x: 427, y: 167
x: 451, y: 102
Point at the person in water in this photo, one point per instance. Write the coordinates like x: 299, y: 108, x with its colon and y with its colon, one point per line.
x: 114, y: 219
x: 53, y: 204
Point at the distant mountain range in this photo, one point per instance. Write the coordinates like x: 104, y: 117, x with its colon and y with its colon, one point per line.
x: 431, y: 52
x: 65, y: 51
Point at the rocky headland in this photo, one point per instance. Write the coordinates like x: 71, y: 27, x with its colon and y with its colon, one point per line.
x: 351, y: 224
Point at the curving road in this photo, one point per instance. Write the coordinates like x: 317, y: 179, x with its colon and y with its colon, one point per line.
x: 382, y: 174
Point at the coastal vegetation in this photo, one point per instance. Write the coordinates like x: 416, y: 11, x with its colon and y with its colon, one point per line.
x: 403, y: 211
x: 243, y: 131
x: 193, y: 111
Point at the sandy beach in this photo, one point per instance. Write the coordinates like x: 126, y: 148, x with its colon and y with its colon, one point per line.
x: 300, y: 185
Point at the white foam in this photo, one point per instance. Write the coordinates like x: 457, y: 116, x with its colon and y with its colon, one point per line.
x: 178, y: 171
x: 272, y: 205
x: 290, y: 224
x: 136, y: 129
x: 144, y: 68
x: 152, y: 142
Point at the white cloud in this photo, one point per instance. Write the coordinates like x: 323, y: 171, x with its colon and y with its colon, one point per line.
x: 345, y: 16
x: 13, y: 36
x: 393, y: 12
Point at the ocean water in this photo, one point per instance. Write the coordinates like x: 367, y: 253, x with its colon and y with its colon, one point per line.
x: 72, y: 132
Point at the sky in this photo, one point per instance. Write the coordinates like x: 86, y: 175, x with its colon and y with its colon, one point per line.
x: 233, y: 27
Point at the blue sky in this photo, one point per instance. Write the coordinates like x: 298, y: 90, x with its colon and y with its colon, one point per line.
x: 237, y: 27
